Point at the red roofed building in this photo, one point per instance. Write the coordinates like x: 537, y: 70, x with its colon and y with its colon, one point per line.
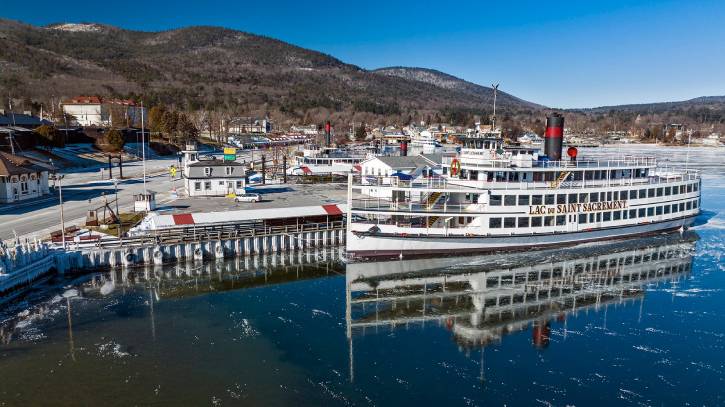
x: 97, y: 111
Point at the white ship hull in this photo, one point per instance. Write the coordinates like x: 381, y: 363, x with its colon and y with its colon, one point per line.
x: 369, y: 246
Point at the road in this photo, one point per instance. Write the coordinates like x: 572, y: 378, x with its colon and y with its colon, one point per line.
x: 39, y: 217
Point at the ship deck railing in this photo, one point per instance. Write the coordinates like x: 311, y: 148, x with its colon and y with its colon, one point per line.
x: 661, y: 177
x: 511, y: 162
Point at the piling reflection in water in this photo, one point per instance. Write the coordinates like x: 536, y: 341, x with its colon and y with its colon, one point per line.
x: 482, y: 299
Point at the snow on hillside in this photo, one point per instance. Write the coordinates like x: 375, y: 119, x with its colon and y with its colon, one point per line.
x: 77, y: 27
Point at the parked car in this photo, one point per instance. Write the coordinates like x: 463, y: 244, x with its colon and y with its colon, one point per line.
x: 248, y: 198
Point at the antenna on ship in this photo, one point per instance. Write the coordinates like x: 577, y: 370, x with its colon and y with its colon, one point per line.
x: 493, y: 118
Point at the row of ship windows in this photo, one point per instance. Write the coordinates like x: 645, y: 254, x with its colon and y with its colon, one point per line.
x: 551, y: 199
x: 584, y: 218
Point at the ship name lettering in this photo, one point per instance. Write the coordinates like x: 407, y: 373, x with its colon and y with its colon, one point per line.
x: 576, y: 207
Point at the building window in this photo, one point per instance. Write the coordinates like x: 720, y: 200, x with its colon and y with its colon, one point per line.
x: 207, y: 185
x: 509, y: 222
x: 239, y: 184
x: 197, y: 186
x: 494, y: 223
x: 548, y: 221
x: 207, y: 171
x: 229, y: 170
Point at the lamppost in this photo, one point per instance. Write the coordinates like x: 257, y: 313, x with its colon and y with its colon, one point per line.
x: 59, y: 179
x: 118, y: 215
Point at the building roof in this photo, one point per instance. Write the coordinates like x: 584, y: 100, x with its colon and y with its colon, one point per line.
x: 215, y: 163
x: 16, y: 165
x: 414, y: 161
x: 97, y: 100
x: 21, y: 119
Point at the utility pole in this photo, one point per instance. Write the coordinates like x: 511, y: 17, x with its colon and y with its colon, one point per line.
x: 110, y: 167
x: 284, y: 168
x: 120, y: 165
x: 118, y: 215
x: 59, y: 178
x: 263, y: 170
x: 143, y: 151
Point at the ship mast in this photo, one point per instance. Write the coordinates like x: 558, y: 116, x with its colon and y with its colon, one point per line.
x: 493, y: 118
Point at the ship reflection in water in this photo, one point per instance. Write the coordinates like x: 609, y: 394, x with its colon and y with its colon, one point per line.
x: 307, y: 329
x: 482, y: 299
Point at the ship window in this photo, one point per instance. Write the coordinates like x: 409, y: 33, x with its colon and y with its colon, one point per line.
x: 594, y: 197
x: 632, y: 213
x: 617, y: 215
x: 694, y: 187
x: 650, y: 211
x: 494, y: 223
x: 616, y: 195
x: 578, y: 175
x: 573, y: 198
x: 689, y: 188
x: 688, y: 205
x: 633, y: 194
x: 592, y: 218
x: 523, y: 200
x: 549, y: 199
x: 658, y: 210
x: 609, y: 196
x: 682, y: 189
x: 659, y: 191
x: 509, y: 222
x: 624, y: 214
x: 674, y: 208
x: 495, y: 200
x: 651, y: 193
x: 548, y: 221
x: 509, y: 200
x: 599, y: 217
x: 682, y: 206
x: 642, y: 193
x: 536, y: 222
x: 588, y: 175
x: 667, y: 209
x: 694, y: 204
x: 524, y: 222
x: 536, y: 200
x: 560, y: 220
x: 603, y: 196
x: 583, y: 198
x: 607, y: 216
x: 668, y: 191
x: 582, y: 218
x: 561, y: 198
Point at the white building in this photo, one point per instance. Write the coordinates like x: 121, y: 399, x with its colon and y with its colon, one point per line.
x: 250, y: 125
x: 212, y: 177
x: 21, y: 179
x: 413, y: 166
x: 96, y: 111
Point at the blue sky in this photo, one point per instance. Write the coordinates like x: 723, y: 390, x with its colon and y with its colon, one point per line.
x: 562, y: 54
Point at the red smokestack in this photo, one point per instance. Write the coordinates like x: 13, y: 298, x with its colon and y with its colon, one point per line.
x: 554, y: 136
x: 327, y: 132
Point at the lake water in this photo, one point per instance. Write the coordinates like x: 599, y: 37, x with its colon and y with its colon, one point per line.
x: 638, y: 322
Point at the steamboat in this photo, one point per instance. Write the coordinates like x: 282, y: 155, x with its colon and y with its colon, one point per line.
x: 491, y: 197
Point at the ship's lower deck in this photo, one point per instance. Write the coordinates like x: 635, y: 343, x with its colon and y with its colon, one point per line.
x: 380, y: 245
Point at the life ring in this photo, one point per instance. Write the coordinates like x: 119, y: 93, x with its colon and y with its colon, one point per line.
x: 455, y: 167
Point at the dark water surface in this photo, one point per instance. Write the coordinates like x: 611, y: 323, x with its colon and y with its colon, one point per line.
x: 636, y: 323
